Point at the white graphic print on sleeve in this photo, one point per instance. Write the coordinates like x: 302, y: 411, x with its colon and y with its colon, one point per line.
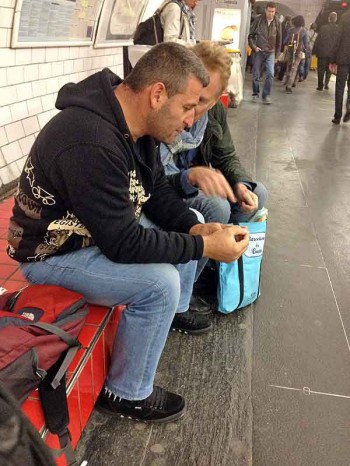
x: 137, y: 193
x: 38, y: 192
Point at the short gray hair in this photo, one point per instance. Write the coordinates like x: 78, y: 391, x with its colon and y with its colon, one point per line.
x: 169, y: 63
x: 332, y: 17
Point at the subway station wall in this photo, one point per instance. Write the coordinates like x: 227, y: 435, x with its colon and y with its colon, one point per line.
x: 29, y: 82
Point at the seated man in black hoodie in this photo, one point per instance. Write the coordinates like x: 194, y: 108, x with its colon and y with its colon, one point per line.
x: 90, y: 174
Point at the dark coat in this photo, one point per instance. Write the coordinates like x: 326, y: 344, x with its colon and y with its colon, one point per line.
x: 325, y: 40
x: 341, y: 51
x: 217, y: 148
x: 85, y: 183
x: 267, y: 38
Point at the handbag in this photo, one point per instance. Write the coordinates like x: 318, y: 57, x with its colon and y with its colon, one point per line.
x: 239, y: 281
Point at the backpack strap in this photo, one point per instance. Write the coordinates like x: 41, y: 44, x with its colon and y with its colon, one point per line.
x: 73, y: 344
x: 56, y: 414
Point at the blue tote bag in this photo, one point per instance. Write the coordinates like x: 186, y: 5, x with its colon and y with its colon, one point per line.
x: 239, y: 281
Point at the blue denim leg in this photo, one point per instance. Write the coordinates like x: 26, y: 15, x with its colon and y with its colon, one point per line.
x: 213, y: 209
x: 258, y: 61
x: 238, y: 216
x: 186, y: 271
x: 269, y: 60
x: 151, y: 293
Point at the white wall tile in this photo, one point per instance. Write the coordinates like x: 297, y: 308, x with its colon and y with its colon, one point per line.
x: 4, y: 37
x: 6, y: 17
x: 26, y: 144
x: 52, y: 85
x: 8, y: 95
x: 20, y: 163
x: 8, y: 58
x: 3, y: 137
x: 3, y: 77
x: 19, y: 111
x: 57, y: 68
x: 68, y: 67
x: 5, y: 115
x: 45, y: 70
x: 30, y: 125
x: 38, y: 55
x: 48, y: 102
x: 2, y: 159
x: 44, y: 118
x: 23, y: 56
x: 63, y: 53
x: 12, y: 152
x: 51, y: 54
x: 24, y: 91
x: 9, y: 173
x: 8, y: 3
x: 14, y: 75
x: 34, y: 106
x: 14, y: 131
x: 73, y: 52
x: 39, y: 87
x: 31, y: 72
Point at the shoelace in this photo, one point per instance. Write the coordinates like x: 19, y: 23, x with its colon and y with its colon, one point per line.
x: 157, y: 399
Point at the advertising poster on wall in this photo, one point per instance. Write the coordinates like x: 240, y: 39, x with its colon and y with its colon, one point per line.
x: 226, y: 26
x: 45, y: 23
x: 118, y: 21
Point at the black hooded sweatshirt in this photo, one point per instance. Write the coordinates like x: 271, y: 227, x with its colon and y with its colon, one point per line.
x: 85, y: 183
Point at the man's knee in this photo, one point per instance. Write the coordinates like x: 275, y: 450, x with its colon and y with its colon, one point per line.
x: 217, y: 210
x: 262, y: 193
x: 165, y: 281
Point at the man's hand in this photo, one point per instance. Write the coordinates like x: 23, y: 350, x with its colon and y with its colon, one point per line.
x: 205, y: 229
x: 247, y: 200
x: 211, y: 182
x: 257, y: 49
x: 333, y: 68
x: 226, y: 245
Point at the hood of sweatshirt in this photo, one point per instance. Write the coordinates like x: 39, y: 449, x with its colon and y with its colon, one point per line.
x: 96, y: 94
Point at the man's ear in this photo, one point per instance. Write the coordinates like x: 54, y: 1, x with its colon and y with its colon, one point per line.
x: 158, y: 95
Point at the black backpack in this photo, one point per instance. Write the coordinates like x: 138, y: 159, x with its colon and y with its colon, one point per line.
x: 150, y: 32
x: 20, y: 443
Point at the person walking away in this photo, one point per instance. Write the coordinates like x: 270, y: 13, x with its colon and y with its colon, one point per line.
x: 340, y: 64
x: 178, y: 21
x: 297, y: 43
x: 265, y: 40
x: 323, y: 48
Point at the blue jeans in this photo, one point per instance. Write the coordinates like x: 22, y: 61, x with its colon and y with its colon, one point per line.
x: 152, y: 294
x: 216, y: 209
x: 260, y: 58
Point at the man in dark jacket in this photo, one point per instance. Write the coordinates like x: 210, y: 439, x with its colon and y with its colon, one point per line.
x: 323, y: 48
x: 340, y: 64
x: 265, y: 41
x: 202, y: 163
x: 203, y: 160
x: 91, y: 173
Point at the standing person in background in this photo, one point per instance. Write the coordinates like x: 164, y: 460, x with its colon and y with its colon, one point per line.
x: 340, y: 64
x: 265, y: 40
x: 323, y: 49
x: 297, y: 42
x: 178, y: 21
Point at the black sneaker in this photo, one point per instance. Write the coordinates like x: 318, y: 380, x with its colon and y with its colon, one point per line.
x: 319, y: 88
x: 336, y: 121
x: 160, y: 406
x: 199, y: 305
x: 190, y: 322
x: 346, y: 117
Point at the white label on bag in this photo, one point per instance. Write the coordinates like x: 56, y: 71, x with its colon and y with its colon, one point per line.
x: 256, y: 245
